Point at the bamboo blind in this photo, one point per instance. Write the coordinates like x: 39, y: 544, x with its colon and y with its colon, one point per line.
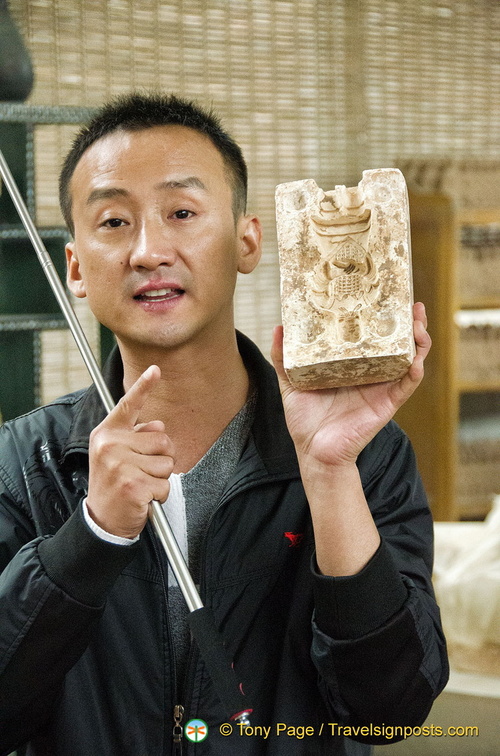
x: 317, y: 89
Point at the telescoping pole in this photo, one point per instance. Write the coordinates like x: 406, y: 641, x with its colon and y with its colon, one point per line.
x: 201, y: 619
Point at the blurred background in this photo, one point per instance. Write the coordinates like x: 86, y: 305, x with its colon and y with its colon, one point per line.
x: 319, y: 89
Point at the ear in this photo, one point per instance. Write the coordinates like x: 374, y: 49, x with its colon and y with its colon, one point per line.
x: 73, y: 276
x: 250, y: 240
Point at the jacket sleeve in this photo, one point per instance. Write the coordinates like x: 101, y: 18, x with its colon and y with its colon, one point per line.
x: 377, y: 638
x: 52, y: 593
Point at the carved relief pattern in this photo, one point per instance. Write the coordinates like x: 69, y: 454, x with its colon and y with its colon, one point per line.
x: 346, y: 285
x: 345, y: 280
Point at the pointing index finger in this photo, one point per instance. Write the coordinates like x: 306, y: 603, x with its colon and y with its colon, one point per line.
x: 127, y: 411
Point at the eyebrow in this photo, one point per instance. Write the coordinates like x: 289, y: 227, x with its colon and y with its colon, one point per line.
x: 182, y: 183
x: 110, y: 192
x: 100, y: 194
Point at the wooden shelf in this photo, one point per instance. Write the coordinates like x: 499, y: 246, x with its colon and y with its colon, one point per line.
x: 432, y: 417
x: 477, y: 216
x: 473, y: 387
x: 485, y: 303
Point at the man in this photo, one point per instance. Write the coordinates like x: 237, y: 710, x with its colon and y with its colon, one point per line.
x: 301, y: 514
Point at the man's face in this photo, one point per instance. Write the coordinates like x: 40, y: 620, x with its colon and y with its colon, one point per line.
x: 156, y: 247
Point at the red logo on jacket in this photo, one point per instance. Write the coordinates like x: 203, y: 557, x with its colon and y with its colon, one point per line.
x: 294, y: 538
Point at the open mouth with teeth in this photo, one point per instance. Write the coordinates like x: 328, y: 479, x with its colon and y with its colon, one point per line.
x: 158, y: 295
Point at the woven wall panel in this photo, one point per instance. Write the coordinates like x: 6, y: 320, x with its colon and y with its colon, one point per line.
x: 317, y: 89
x: 431, y: 79
x: 61, y: 367
x: 51, y: 143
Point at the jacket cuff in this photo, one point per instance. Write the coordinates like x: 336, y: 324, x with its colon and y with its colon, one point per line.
x: 353, y: 606
x: 81, y: 563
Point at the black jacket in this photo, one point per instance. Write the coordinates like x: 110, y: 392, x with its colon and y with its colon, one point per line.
x: 85, y: 648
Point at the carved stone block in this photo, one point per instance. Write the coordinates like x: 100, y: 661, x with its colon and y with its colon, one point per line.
x: 346, y: 281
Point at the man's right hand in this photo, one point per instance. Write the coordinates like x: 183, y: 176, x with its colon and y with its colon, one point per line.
x: 130, y: 463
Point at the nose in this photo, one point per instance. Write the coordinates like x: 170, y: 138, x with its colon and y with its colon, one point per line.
x: 152, y: 247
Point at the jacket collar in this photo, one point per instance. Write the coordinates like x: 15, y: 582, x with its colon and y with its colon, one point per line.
x: 270, y: 434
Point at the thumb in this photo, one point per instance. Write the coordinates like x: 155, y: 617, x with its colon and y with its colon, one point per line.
x: 277, y: 358
x: 277, y: 351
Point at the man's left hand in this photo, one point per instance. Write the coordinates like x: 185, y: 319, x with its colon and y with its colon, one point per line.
x: 332, y: 426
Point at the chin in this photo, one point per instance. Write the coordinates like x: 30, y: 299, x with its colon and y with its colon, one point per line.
x: 173, y: 339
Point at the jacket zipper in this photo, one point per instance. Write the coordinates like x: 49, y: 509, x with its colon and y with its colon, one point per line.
x: 178, y: 712
x: 188, y: 683
x: 178, y: 729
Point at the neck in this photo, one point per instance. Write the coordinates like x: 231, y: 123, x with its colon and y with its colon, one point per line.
x: 200, y: 391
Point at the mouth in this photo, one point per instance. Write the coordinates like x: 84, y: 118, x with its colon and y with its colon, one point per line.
x: 158, y: 295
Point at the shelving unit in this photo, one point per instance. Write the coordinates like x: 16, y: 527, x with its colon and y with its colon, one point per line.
x: 32, y: 138
x: 453, y: 419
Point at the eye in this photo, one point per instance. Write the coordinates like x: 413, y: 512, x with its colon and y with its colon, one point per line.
x: 114, y: 222
x: 183, y: 214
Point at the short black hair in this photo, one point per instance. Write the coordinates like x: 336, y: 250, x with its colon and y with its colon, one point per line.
x: 135, y: 112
